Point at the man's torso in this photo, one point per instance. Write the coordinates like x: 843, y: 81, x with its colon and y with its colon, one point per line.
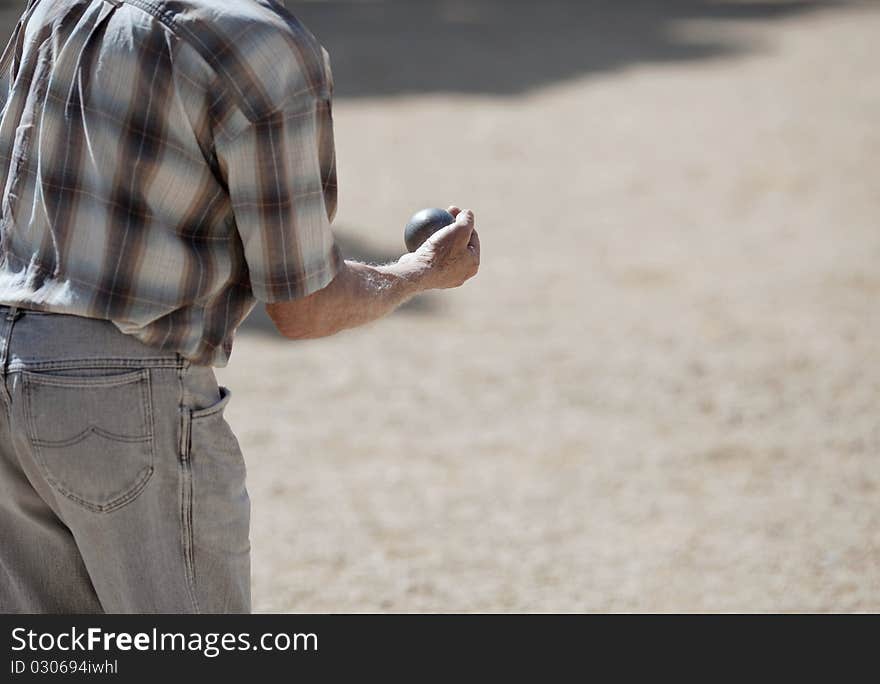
x: 114, y: 203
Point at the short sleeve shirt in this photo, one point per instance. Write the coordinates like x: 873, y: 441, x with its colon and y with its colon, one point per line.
x: 164, y: 165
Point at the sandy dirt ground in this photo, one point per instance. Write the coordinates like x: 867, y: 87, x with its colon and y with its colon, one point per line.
x: 660, y: 393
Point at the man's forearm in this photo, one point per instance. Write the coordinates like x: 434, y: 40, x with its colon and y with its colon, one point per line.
x: 359, y: 294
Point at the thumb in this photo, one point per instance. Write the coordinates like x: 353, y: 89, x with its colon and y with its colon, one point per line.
x: 464, y: 223
x: 463, y: 226
x: 459, y: 232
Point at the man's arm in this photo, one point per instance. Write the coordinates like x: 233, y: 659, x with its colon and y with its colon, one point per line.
x: 361, y: 293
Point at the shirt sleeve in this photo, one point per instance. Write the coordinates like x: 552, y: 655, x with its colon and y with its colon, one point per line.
x: 281, y: 177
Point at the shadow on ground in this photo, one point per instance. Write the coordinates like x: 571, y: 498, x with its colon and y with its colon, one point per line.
x: 507, y: 47
x: 502, y: 47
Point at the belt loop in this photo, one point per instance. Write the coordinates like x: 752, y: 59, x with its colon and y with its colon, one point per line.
x: 12, y: 312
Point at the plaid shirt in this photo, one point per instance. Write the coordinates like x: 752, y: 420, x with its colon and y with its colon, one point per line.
x: 164, y: 164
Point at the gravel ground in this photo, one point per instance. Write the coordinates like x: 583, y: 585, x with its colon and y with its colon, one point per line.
x: 660, y: 393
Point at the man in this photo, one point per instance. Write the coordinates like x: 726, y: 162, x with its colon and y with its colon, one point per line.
x: 163, y: 166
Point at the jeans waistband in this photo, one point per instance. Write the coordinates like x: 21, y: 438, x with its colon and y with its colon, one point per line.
x: 19, y: 311
x: 32, y: 339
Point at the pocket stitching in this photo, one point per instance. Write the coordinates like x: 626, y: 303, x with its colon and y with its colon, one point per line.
x: 38, y: 378
x: 91, y: 430
x: 141, y: 376
x: 118, y: 502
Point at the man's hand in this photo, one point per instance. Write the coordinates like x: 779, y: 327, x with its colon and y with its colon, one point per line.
x: 449, y: 257
x: 361, y: 293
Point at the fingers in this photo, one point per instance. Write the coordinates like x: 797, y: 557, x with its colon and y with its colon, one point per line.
x: 459, y: 233
x: 465, y: 218
x: 464, y: 223
x: 474, y: 245
x: 452, y: 254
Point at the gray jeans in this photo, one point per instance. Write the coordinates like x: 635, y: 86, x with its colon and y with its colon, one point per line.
x: 122, y: 487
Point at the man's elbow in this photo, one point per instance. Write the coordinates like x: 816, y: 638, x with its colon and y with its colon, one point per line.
x: 300, y: 323
x: 301, y: 333
x: 293, y: 332
x: 312, y: 333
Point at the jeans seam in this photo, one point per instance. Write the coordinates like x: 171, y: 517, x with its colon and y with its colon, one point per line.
x: 187, y: 533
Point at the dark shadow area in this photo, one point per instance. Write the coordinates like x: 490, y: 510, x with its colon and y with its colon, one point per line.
x: 505, y: 47
x: 355, y: 248
x: 501, y: 47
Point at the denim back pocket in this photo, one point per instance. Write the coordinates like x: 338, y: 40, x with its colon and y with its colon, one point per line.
x: 92, y: 435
